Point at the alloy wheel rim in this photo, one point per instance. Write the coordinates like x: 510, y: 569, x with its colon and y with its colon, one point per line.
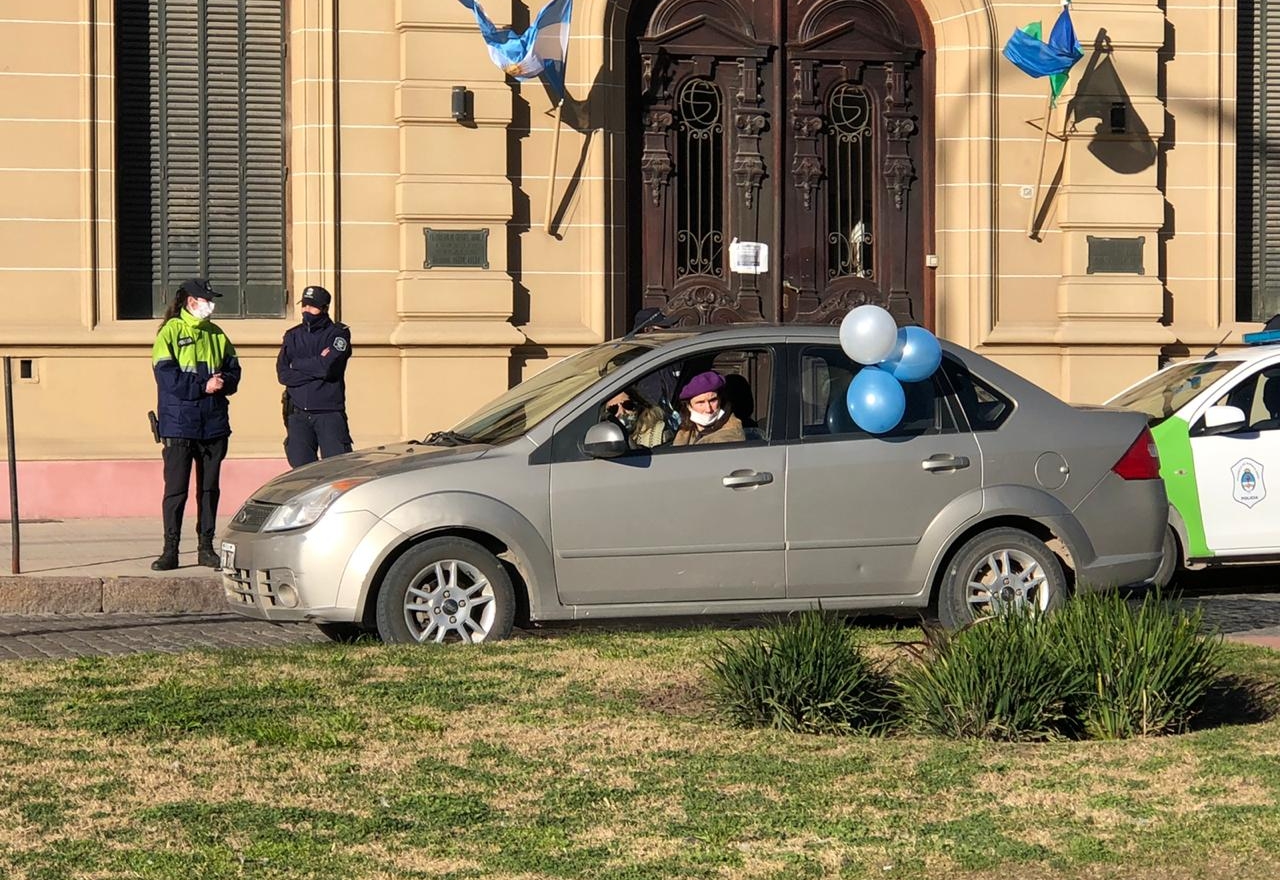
x: 449, y: 600
x: 1004, y: 580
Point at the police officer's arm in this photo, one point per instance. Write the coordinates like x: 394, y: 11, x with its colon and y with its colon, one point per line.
x: 230, y: 370
x: 293, y: 373
x: 326, y: 365
x: 170, y: 377
x: 337, y: 352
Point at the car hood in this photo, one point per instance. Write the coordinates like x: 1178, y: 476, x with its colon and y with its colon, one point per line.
x: 377, y: 461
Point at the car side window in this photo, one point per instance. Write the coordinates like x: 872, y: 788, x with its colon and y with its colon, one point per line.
x: 1258, y: 397
x: 984, y: 406
x: 825, y: 374
x: 651, y: 411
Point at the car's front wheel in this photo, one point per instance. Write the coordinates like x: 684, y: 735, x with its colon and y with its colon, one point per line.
x: 446, y: 589
x: 996, y: 571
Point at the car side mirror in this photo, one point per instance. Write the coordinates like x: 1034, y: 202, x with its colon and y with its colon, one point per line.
x: 1223, y: 419
x: 605, y: 440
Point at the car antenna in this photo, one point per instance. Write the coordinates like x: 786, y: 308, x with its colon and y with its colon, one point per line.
x: 1213, y: 352
x: 654, y: 318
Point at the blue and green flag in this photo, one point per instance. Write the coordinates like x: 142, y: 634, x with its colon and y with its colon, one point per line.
x: 1036, y: 58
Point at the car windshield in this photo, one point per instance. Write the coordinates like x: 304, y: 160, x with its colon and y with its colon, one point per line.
x: 1169, y: 390
x: 527, y: 404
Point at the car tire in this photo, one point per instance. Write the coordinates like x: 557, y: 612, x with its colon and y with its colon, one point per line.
x: 1170, y: 562
x: 446, y: 589
x: 343, y: 633
x: 1026, y: 571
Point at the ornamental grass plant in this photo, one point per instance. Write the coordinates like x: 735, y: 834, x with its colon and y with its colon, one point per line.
x: 1148, y: 668
x: 804, y: 673
x: 999, y: 679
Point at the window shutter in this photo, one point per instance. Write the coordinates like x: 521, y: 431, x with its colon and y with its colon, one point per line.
x: 206, y: 198
x: 1258, y: 161
x: 138, y: 226
x: 262, y: 128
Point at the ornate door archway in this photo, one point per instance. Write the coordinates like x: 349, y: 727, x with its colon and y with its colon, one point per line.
x: 794, y: 123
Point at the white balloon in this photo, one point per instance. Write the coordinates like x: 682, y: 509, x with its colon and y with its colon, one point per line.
x: 868, y: 334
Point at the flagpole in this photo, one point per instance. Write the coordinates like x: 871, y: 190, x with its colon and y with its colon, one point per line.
x: 1044, y: 142
x: 551, y: 171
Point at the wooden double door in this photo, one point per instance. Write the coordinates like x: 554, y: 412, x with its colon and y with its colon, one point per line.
x: 798, y: 124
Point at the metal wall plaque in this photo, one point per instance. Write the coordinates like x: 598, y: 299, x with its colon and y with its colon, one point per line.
x: 466, y: 248
x: 1115, y: 255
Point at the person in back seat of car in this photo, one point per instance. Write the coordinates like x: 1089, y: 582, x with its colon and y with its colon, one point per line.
x: 643, y: 423
x: 706, y: 418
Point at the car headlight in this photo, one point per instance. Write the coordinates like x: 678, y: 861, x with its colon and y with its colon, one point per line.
x: 303, y: 510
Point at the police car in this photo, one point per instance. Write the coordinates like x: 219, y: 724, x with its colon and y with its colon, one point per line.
x: 1216, y: 424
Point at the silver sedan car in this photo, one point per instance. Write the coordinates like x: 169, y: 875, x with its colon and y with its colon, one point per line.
x: 552, y: 503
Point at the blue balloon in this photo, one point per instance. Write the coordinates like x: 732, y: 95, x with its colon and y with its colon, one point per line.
x: 876, y: 400
x: 916, y: 355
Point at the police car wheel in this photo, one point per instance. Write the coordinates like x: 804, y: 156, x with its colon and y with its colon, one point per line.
x: 997, y: 571
x: 446, y: 590
x: 1171, y: 562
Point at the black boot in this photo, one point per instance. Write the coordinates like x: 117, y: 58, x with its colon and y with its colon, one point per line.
x: 168, y: 559
x: 204, y: 553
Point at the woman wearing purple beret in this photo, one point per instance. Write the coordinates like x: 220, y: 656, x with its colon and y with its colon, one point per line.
x: 706, y: 418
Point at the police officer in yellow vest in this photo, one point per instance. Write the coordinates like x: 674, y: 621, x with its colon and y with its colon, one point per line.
x: 196, y: 370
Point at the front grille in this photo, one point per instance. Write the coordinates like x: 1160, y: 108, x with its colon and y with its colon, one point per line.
x: 253, y: 587
x: 238, y: 587
x: 253, y: 516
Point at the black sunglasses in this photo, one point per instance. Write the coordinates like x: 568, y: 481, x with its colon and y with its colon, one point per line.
x: 628, y: 405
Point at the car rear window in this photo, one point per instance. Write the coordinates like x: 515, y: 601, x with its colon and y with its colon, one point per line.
x: 984, y: 406
x: 1168, y: 391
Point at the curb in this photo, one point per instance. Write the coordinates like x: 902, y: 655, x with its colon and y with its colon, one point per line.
x: 110, y: 595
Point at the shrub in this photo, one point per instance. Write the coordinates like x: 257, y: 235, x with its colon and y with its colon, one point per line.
x: 805, y: 674
x: 999, y: 678
x: 1147, y: 669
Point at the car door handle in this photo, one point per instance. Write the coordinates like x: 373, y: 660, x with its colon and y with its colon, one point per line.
x: 945, y: 462
x: 743, y: 479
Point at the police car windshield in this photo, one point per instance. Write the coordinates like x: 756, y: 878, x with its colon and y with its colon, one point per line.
x: 527, y: 404
x: 1168, y: 391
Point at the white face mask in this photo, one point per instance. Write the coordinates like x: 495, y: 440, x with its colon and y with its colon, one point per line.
x: 203, y: 308
x: 706, y: 420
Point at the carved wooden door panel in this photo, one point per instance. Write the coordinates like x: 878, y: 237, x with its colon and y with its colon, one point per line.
x: 792, y: 123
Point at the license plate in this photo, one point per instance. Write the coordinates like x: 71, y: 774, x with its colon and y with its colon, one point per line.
x: 228, y: 556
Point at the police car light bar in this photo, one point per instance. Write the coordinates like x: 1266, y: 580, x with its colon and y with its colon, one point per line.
x: 1262, y: 337
x: 1269, y: 333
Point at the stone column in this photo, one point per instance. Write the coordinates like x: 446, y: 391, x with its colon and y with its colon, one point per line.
x: 454, y: 323
x: 1110, y: 203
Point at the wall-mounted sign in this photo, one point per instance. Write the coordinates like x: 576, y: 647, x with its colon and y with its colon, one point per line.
x: 1115, y: 255
x: 457, y: 248
x: 748, y: 257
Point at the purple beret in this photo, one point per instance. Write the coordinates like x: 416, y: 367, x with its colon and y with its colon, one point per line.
x: 701, y: 384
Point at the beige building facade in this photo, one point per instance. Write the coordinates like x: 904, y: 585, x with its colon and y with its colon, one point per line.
x: 1124, y: 253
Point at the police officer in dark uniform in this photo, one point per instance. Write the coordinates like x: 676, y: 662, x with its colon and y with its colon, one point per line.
x: 312, y: 366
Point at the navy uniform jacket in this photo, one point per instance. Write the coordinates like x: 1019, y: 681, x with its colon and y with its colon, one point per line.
x: 316, y: 382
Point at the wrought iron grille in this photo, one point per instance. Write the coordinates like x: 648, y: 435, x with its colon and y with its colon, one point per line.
x: 850, y: 185
x: 699, y: 129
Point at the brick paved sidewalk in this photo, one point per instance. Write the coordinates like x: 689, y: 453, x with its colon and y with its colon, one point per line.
x: 47, y: 636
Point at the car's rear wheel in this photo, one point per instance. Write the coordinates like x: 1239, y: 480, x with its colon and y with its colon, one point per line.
x: 997, y: 571
x: 446, y: 590
x: 1170, y: 562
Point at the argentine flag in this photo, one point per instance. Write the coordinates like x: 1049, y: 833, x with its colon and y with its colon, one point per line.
x: 539, y: 51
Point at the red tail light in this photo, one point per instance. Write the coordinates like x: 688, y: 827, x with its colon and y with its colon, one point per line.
x: 1140, y: 461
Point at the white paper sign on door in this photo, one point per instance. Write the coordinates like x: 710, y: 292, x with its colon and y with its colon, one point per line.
x: 748, y: 257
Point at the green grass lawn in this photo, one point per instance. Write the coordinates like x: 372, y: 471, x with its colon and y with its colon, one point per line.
x: 588, y: 755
